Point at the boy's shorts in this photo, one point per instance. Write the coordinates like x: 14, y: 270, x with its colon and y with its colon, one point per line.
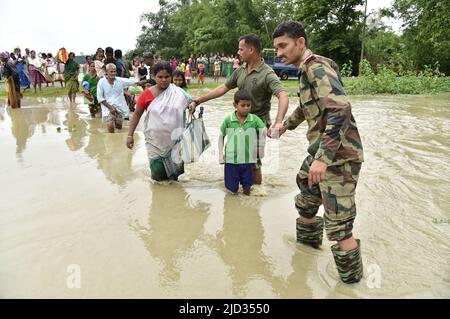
x: 238, y: 173
x: 116, y: 118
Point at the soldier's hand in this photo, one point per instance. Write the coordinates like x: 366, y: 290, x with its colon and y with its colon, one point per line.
x: 316, y: 172
x: 276, y: 130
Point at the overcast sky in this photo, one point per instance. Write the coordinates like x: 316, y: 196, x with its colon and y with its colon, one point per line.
x: 45, y: 27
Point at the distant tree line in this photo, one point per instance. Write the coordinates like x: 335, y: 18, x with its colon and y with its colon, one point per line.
x: 334, y: 29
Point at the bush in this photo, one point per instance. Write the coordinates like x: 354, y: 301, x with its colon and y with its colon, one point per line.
x: 388, y: 80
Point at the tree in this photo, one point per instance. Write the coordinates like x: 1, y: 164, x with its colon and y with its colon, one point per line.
x: 184, y: 27
x: 334, y: 27
x: 426, y: 24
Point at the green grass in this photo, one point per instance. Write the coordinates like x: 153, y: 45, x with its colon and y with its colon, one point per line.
x: 46, y: 92
x: 391, y: 84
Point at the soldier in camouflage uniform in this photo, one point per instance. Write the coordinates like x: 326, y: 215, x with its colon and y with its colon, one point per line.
x: 329, y: 173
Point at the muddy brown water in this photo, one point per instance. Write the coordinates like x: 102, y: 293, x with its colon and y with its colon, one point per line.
x: 80, y: 218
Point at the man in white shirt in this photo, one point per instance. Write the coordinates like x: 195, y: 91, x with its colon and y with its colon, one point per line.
x: 110, y: 95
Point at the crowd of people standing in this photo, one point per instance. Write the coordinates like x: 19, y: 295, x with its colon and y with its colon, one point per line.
x: 36, y: 69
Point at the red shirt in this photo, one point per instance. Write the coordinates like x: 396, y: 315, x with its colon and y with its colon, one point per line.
x: 144, y: 100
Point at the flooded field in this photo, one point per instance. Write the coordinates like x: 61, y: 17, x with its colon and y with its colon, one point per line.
x: 80, y: 218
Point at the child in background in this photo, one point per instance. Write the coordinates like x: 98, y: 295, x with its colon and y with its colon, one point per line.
x: 135, y: 68
x: 179, y: 80
x: 148, y: 84
x: 142, y: 71
x: 245, y: 134
x: 188, y: 74
x: 217, y: 70
x: 201, y: 73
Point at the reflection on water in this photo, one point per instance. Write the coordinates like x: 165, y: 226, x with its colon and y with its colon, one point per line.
x: 174, y: 224
x: 80, y: 197
x: 239, y: 244
x: 76, y: 127
x: 108, y: 151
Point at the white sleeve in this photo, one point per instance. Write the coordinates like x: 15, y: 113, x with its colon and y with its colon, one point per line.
x: 127, y: 82
x: 100, y: 92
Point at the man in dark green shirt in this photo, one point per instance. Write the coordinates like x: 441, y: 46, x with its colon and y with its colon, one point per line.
x: 260, y: 80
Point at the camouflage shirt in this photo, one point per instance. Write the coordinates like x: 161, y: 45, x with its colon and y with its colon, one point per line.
x: 332, y: 134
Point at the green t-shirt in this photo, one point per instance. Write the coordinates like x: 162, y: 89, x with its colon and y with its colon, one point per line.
x: 241, y: 140
x: 261, y: 83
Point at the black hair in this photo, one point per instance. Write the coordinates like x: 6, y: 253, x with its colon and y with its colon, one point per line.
x: 101, y: 50
x: 253, y: 40
x: 163, y: 65
x: 44, y: 55
x: 49, y: 55
x: 71, y: 54
x: 148, y: 55
x: 118, y: 54
x: 242, y: 95
x: 151, y: 81
x: 179, y: 73
x: 292, y: 29
x: 109, y: 50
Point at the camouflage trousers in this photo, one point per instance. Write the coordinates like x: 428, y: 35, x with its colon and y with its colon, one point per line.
x: 336, y: 193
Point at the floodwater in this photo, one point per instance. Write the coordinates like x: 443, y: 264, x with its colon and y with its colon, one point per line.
x: 80, y: 218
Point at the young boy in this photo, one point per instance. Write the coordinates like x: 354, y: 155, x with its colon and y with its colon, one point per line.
x: 245, y: 143
x: 142, y: 71
x: 201, y: 73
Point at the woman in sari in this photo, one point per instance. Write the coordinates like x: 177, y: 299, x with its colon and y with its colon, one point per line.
x: 71, y: 71
x: 90, y: 90
x: 12, y: 81
x: 21, y: 65
x: 35, y: 69
x: 165, y: 104
x: 44, y: 68
x: 51, y: 70
x: 60, y: 71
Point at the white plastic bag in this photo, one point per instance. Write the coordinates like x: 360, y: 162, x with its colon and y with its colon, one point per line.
x: 194, y: 140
